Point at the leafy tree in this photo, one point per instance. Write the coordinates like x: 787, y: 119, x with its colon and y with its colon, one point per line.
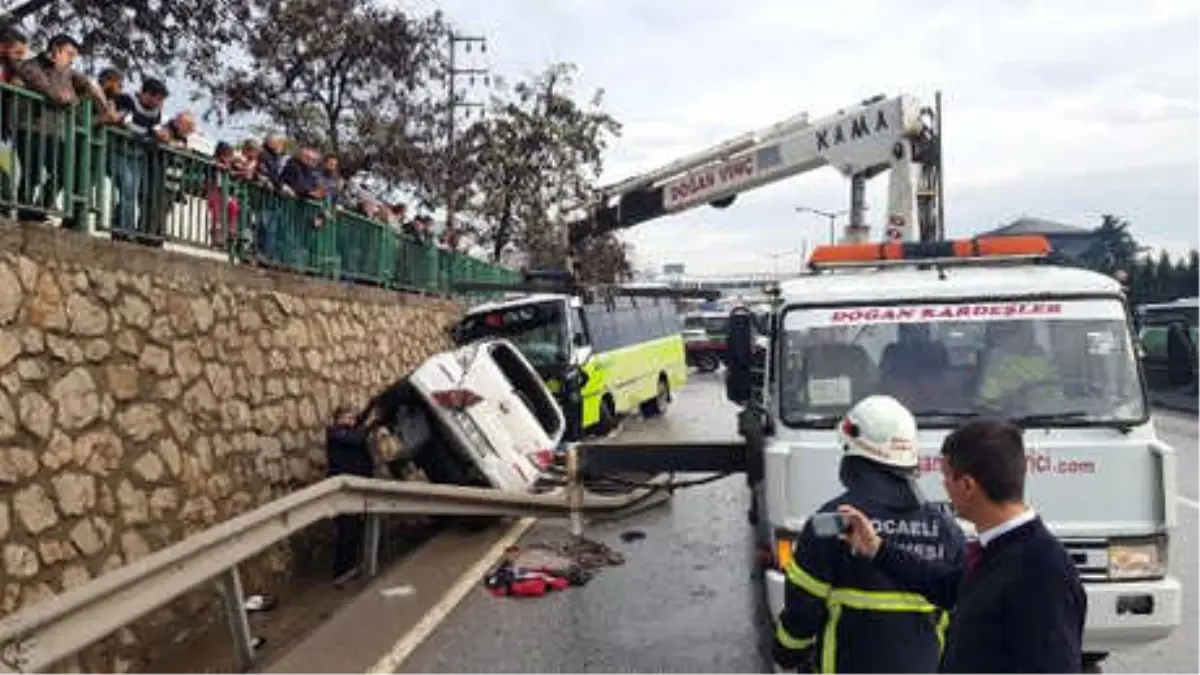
x: 155, y: 36
x: 1114, y: 247
x: 1164, y: 277
x: 1191, y: 275
x: 348, y: 76
x: 604, y: 259
x: 535, y: 159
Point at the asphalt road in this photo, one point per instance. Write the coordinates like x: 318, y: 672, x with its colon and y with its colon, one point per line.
x: 684, y: 601
x: 1180, y: 652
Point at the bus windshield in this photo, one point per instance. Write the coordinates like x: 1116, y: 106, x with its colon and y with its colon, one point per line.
x: 537, y: 328
x: 1061, y: 363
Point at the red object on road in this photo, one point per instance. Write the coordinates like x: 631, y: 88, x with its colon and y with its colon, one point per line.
x: 515, y: 582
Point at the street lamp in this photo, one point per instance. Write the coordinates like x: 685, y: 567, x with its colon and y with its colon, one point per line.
x: 831, y: 216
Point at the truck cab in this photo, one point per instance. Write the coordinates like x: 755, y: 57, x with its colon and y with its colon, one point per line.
x: 956, y: 338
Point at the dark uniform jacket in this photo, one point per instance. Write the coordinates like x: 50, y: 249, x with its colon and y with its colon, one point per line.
x: 1021, y: 611
x: 347, y: 452
x: 844, y: 614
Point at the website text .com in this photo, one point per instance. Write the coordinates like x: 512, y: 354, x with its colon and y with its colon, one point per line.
x: 1037, y: 463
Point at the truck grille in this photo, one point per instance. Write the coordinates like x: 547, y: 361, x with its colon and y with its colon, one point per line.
x: 1090, y: 558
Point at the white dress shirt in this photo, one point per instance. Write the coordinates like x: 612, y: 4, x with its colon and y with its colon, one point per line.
x: 1007, y: 526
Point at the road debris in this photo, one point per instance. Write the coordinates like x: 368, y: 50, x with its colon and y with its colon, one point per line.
x: 538, y: 568
x: 259, y: 603
x: 402, y: 591
x: 632, y: 535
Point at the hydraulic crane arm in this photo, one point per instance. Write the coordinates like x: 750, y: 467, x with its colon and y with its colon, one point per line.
x: 877, y: 135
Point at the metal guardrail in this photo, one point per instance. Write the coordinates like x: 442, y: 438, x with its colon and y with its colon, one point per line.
x: 45, y: 634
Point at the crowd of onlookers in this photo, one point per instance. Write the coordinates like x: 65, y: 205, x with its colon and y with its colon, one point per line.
x: 303, y: 173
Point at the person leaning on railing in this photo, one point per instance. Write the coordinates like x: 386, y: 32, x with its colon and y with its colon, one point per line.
x: 271, y: 240
x: 41, y: 134
x: 14, y: 48
x: 306, y: 178
x: 168, y: 185
x: 130, y: 155
x: 222, y: 238
x: 112, y: 83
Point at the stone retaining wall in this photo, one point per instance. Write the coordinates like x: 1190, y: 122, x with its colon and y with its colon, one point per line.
x: 146, y: 395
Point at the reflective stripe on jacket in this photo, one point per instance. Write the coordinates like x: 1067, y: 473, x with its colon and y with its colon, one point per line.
x: 841, y: 613
x: 1005, y: 374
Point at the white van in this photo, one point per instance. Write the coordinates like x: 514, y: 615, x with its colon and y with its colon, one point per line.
x: 478, y: 415
x: 1098, y: 475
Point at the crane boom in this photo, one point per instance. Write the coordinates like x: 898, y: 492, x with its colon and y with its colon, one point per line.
x: 880, y: 134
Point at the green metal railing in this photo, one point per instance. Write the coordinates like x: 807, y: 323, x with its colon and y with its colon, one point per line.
x: 45, y: 157
x: 56, y: 163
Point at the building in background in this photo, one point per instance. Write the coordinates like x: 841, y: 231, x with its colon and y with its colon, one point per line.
x: 1069, y: 240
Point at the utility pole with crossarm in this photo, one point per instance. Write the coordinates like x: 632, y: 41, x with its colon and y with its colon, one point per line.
x: 453, y: 103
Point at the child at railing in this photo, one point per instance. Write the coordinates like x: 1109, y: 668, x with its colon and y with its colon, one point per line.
x: 222, y: 239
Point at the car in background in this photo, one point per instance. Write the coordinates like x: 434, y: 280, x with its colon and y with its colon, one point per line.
x: 1167, y: 333
x: 704, y: 338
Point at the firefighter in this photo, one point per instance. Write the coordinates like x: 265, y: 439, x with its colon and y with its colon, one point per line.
x: 841, y: 614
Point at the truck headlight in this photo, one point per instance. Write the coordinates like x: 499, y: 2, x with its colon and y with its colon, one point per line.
x: 1137, y: 558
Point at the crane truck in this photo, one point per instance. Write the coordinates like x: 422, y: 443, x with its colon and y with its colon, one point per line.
x: 922, y: 318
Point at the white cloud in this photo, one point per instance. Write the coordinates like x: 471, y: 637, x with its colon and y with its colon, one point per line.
x: 1064, y: 110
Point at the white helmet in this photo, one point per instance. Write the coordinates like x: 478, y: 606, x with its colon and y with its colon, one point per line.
x: 880, y: 429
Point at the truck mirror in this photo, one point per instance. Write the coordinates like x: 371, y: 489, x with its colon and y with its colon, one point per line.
x: 739, y: 370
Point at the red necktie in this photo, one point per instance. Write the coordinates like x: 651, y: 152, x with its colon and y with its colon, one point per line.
x: 974, y: 555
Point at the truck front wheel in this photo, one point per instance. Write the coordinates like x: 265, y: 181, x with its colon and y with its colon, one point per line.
x: 1091, y: 663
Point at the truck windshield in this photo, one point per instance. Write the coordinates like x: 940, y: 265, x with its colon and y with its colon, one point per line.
x: 1063, y: 363
x: 537, y: 328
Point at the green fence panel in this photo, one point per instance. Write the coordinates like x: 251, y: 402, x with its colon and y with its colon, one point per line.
x: 160, y: 193
x: 44, y: 154
x: 368, y: 249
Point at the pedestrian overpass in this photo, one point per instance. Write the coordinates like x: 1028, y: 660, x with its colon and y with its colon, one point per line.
x: 731, y: 286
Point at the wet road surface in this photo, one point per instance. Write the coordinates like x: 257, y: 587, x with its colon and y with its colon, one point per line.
x: 1179, y: 653
x: 685, y: 599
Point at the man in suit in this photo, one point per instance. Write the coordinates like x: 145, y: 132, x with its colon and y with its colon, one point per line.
x: 1018, y: 602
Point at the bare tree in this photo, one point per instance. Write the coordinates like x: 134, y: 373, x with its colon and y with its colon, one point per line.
x: 354, y: 77
x: 536, y: 157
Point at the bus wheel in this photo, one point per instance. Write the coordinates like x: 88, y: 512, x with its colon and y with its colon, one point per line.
x: 608, y: 416
x: 658, y: 405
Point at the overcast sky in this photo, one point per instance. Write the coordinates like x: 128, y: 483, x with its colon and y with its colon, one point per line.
x: 1062, y: 110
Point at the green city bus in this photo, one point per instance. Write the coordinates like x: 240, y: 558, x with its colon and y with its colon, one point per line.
x: 628, y: 349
